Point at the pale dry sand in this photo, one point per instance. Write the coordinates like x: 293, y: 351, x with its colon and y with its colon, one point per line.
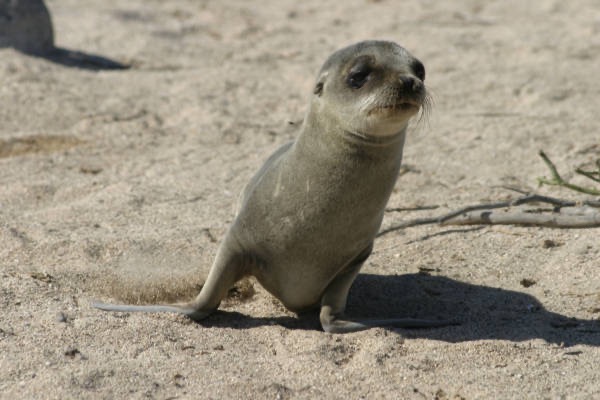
x: 120, y: 184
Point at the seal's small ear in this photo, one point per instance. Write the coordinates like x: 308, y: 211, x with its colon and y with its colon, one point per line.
x: 318, y: 89
x: 320, y: 83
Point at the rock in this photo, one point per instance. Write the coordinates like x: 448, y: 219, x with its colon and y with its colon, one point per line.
x: 26, y: 26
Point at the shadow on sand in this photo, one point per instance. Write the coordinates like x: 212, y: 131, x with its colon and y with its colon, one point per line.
x: 78, y: 59
x: 483, y: 312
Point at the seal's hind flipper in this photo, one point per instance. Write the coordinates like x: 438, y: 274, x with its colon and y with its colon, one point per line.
x: 187, y: 309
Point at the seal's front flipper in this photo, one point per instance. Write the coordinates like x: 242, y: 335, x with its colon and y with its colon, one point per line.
x: 333, y: 304
x: 333, y: 324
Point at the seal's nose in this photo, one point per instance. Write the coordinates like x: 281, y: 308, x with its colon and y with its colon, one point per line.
x: 410, y: 83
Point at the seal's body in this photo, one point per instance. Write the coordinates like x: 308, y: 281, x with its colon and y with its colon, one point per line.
x: 308, y: 218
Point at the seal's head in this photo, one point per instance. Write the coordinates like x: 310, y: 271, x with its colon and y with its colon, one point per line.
x: 371, y: 88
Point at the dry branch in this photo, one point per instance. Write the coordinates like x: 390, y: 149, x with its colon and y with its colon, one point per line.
x: 582, y: 214
x: 585, y: 217
x: 564, y: 214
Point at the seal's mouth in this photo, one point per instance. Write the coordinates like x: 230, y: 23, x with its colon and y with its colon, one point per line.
x: 403, y: 105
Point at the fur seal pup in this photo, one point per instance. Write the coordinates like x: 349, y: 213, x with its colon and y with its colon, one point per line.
x: 308, y: 218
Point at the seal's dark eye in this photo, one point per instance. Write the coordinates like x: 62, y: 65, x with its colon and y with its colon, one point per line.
x: 358, y: 76
x: 419, y: 69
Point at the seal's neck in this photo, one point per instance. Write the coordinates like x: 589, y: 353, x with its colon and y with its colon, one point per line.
x: 324, y: 133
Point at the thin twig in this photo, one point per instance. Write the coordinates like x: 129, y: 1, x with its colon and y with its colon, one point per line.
x: 530, y: 198
x: 514, y: 189
x: 416, y: 208
x: 593, y: 175
x: 408, y: 224
x: 557, y: 180
x: 555, y: 175
x: 588, y: 174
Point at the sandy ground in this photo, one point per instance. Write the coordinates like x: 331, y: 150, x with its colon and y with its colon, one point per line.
x: 118, y: 185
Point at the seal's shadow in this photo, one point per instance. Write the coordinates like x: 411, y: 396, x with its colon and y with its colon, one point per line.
x: 78, y: 59
x: 484, y: 312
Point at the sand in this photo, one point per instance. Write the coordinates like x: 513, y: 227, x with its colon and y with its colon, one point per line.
x: 119, y: 185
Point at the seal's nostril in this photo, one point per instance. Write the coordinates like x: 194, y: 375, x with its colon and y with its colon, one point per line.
x: 406, y: 80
